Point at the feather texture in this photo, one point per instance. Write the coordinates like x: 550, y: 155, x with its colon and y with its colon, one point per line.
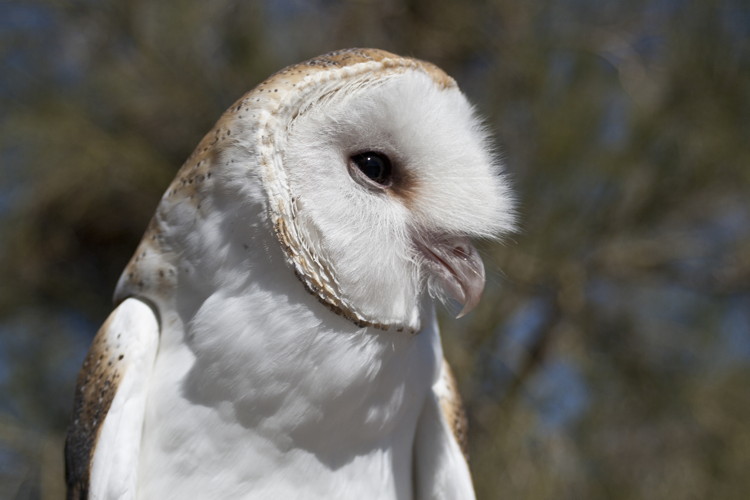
x: 298, y: 352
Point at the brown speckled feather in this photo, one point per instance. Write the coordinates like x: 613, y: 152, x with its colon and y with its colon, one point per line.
x: 96, y: 387
x: 101, y: 452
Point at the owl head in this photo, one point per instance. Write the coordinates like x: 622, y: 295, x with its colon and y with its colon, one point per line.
x: 371, y: 170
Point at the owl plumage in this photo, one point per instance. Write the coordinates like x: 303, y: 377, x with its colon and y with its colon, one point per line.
x: 275, y: 335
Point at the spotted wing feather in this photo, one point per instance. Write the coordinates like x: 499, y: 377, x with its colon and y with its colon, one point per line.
x: 101, y: 448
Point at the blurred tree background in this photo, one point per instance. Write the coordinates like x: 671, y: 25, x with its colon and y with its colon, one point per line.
x: 610, y: 357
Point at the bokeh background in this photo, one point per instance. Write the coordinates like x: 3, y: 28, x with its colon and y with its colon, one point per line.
x: 610, y: 357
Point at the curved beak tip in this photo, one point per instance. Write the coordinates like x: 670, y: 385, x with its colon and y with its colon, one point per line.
x: 460, y: 270
x: 472, y: 295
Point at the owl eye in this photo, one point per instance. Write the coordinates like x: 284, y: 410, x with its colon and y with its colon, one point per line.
x: 375, y: 166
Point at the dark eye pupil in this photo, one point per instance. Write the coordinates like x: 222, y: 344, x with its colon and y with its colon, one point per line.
x: 376, y: 166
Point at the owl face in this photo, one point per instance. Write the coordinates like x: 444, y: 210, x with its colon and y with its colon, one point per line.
x: 387, y: 175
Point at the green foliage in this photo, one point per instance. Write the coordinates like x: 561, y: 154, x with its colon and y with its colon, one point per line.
x: 611, y: 353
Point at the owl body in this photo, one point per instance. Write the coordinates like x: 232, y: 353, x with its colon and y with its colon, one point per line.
x: 275, y: 335
x: 338, y: 420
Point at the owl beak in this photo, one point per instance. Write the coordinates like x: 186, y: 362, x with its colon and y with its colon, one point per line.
x: 456, y: 267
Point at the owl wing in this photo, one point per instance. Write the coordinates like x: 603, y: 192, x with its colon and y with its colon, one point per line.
x: 439, y: 460
x: 103, y: 442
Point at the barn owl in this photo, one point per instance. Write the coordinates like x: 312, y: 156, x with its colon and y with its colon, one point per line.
x: 275, y: 335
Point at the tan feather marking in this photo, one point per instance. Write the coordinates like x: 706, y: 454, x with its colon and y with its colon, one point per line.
x: 97, y: 384
x: 453, y: 409
x: 350, y: 57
